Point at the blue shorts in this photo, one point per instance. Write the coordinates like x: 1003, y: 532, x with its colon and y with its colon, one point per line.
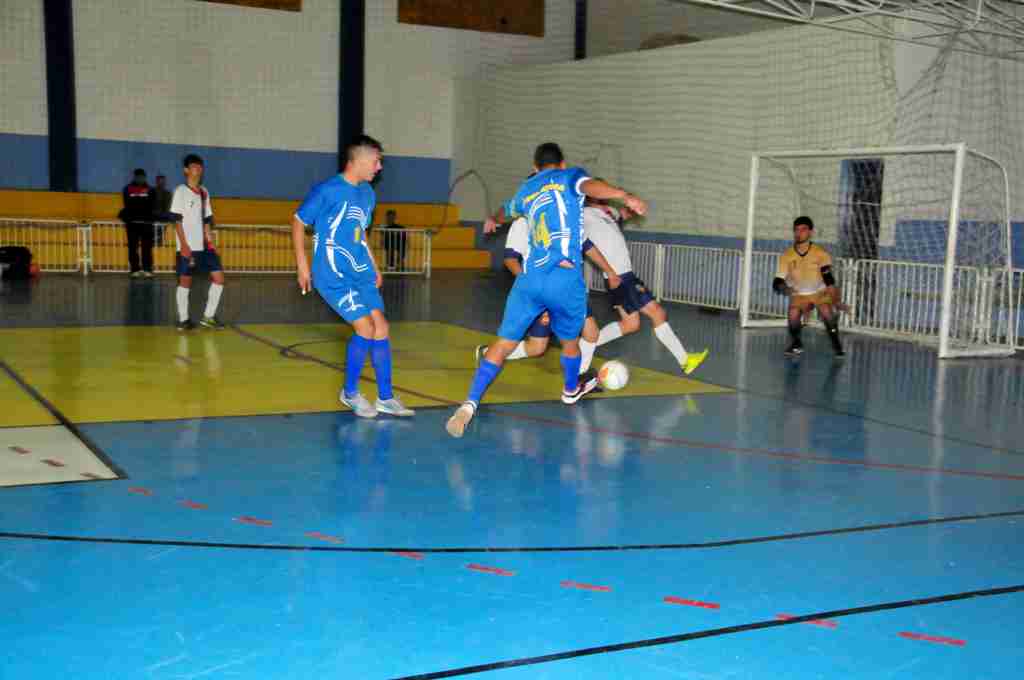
x: 632, y: 294
x: 560, y: 291
x: 543, y: 330
x: 202, y: 261
x: 351, y: 299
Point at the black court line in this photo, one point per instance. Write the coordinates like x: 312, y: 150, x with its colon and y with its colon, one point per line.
x: 677, y: 441
x: 62, y: 419
x: 523, y: 549
x: 711, y: 632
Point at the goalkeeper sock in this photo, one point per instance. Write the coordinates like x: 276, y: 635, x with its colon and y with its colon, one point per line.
x: 833, y: 334
x: 794, y: 331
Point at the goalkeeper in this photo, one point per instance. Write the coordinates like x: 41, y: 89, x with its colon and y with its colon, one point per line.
x: 805, y: 275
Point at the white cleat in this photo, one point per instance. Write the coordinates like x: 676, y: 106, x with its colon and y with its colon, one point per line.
x: 457, y: 424
x: 393, y: 407
x: 582, y: 389
x: 359, y: 404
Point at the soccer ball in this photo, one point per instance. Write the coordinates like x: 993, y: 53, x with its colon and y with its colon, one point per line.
x: 613, y: 375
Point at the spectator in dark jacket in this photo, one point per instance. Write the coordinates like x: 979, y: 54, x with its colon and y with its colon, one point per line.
x: 137, y: 215
x: 161, y: 206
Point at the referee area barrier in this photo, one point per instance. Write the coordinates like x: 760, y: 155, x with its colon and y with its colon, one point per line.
x: 101, y: 246
x: 892, y: 299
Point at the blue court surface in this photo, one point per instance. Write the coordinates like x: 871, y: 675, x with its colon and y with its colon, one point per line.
x: 768, y: 519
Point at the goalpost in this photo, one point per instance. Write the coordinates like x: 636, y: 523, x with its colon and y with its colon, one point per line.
x: 919, y: 235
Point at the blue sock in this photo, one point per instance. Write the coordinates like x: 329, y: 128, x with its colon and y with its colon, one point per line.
x: 355, y: 357
x: 571, y: 371
x: 380, y: 356
x: 482, y: 379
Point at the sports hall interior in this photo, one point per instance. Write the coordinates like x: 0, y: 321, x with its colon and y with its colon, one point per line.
x: 200, y: 505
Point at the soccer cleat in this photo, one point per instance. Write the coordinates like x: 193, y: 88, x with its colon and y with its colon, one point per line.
x: 211, y: 322
x: 794, y: 350
x: 457, y: 424
x: 136, y: 274
x: 582, y: 389
x: 393, y: 407
x: 693, y: 361
x: 840, y: 353
x: 479, y: 353
x: 359, y: 404
x: 148, y: 274
x: 186, y: 325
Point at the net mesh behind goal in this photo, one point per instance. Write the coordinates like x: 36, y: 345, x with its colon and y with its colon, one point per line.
x: 884, y: 215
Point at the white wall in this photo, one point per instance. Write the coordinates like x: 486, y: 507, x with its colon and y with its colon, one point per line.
x: 206, y: 74
x: 22, y: 68
x: 422, y: 83
x: 686, y: 119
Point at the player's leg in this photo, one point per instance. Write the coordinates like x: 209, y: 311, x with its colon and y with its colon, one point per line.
x: 380, y: 354
x: 209, y: 260
x: 521, y: 309
x: 588, y: 341
x: 146, y: 238
x: 534, y: 345
x: 132, y: 230
x: 828, y: 317
x: 184, y: 270
x: 565, y: 297
x: 795, y: 325
x: 359, y: 346
x: 666, y: 336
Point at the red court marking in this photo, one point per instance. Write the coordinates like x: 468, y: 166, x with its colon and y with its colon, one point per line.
x: 140, y: 490
x: 691, y: 603
x: 586, y: 586
x: 193, y: 505
x: 824, y: 623
x: 20, y: 450
x: 409, y: 555
x: 245, y: 519
x: 91, y: 475
x: 933, y: 638
x: 490, y: 570
x: 53, y: 463
x: 324, y: 537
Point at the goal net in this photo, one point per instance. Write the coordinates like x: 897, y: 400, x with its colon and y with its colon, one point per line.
x: 920, y: 238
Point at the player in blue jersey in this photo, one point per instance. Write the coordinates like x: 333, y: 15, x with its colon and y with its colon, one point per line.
x: 345, y: 274
x: 552, y: 277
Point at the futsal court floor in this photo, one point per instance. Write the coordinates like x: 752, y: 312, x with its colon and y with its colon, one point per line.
x: 200, y: 506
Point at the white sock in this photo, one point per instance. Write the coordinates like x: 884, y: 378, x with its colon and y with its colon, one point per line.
x: 213, y: 299
x: 668, y: 338
x: 587, y: 349
x: 182, y: 297
x: 519, y: 352
x: 610, y: 332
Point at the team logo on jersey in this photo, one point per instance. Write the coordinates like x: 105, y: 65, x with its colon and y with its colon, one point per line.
x: 350, y: 299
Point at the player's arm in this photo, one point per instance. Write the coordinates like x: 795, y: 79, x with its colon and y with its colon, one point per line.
x: 595, y: 255
x: 779, y: 284
x: 601, y: 190
x: 378, y: 278
x: 832, y: 289
x: 301, y: 261
x: 176, y: 216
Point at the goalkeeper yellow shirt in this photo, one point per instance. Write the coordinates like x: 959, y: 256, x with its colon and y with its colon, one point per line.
x: 803, y: 272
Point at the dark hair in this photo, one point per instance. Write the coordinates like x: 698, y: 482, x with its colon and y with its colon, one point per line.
x: 548, y: 153
x: 804, y: 219
x: 139, y: 171
x: 361, y: 142
x: 192, y: 158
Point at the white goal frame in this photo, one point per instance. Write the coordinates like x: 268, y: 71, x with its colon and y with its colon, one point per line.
x: 945, y: 348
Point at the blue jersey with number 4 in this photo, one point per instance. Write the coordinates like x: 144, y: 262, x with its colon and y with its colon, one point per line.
x: 552, y: 203
x: 339, y: 213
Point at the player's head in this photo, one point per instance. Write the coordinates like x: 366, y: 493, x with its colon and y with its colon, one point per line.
x: 193, y: 165
x: 803, y: 229
x: 362, y: 158
x: 139, y: 176
x: 548, y: 155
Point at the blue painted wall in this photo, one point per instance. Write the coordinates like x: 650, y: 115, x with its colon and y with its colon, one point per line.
x: 24, y: 161
x: 106, y: 166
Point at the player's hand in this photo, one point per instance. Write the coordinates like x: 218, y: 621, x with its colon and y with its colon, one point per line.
x: 636, y: 204
x: 614, y: 281
x: 490, y: 225
x: 379, y: 280
x: 843, y: 307
x: 304, y: 279
x: 186, y: 252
